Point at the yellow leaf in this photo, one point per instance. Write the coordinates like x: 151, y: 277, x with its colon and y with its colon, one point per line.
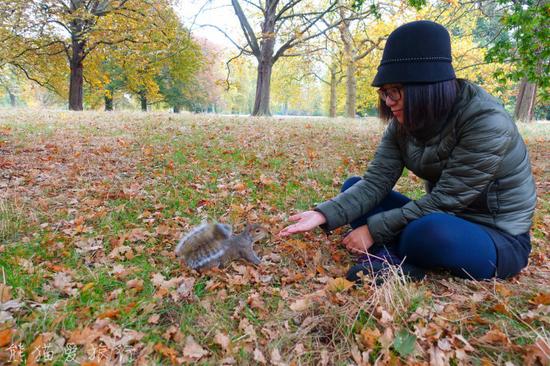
x: 339, y: 285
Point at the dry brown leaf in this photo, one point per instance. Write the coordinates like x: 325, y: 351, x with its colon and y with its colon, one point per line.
x: 223, y: 340
x: 500, y: 308
x: 300, y: 305
x: 34, y: 351
x: 504, y: 291
x: 541, y: 299
x: 300, y: 349
x: 538, y: 353
x: 167, y: 352
x: 136, y: 284
x: 153, y: 319
x: 5, y: 293
x: 6, y: 336
x: 496, y: 337
x: 63, y: 282
x: 255, y: 301
x: 193, y: 350
x: 163, y: 230
x: 83, y: 336
x: 111, y: 313
x: 339, y: 284
x: 275, y: 357
x: 259, y: 356
x: 369, y: 337
x: 384, y: 317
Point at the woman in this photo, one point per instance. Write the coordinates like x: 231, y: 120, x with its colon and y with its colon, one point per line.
x: 474, y: 220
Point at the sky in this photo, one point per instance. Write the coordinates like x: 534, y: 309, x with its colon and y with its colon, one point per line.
x: 218, y: 13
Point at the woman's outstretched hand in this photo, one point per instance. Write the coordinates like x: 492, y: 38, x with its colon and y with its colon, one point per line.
x: 305, y: 221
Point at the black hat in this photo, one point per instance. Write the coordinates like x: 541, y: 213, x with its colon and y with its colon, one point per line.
x: 416, y: 52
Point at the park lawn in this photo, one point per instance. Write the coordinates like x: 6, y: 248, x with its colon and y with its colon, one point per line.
x: 93, y: 204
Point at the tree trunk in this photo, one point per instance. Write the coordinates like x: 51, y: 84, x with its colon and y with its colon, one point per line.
x: 349, y: 56
x: 77, y: 70
x: 263, y: 87
x: 143, y: 100
x: 525, y: 102
x: 333, y: 84
x: 108, y: 102
x: 176, y: 109
x: 351, y: 90
x: 13, y: 99
x: 265, y: 62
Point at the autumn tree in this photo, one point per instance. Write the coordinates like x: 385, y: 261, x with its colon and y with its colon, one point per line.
x: 178, y: 74
x: 526, y: 45
x: 75, y: 29
x: 283, y: 27
x: 358, y: 41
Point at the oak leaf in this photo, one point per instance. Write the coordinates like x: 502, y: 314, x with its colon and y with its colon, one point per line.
x: 5, y: 293
x: 541, y: 299
x: 496, y: 337
x: 339, y: 284
x: 223, y: 340
x: 193, y: 350
x: 259, y: 356
x: 6, y: 336
x: 369, y: 337
x: 167, y: 352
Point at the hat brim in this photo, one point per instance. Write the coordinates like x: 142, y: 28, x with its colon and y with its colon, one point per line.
x: 413, y: 72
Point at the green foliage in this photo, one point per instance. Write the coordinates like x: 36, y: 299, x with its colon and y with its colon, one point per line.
x: 404, y: 342
x: 527, y: 45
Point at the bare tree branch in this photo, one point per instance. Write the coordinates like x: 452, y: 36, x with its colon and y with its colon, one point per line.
x: 247, y: 29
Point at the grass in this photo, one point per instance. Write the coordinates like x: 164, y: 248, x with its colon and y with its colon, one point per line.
x: 92, y: 205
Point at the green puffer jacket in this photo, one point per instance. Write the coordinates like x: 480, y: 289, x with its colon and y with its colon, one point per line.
x: 476, y: 168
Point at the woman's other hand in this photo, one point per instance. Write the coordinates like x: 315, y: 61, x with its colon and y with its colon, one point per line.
x: 359, y: 240
x: 306, y: 221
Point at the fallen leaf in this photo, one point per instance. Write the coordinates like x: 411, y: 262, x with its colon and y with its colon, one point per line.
x: 496, y: 337
x: 5, y: 293
x: 500, y: 308
x: 369, y: 337
x: 504, y: 291
x: 153, y: 319
x: 193, y: 350
x: 6, y: 336
x: 404, y: 342
x: 275, y: 356
x: 300, y: 305
x: 223, y: 340
x: 167, y: 352
x: 538, y: 353
x: 541, y: 299
x: 36, y: 347
x: 259, y: 356
x: 136, y: 284
x: 83, y: 336
x: 339, y: 284
x: 111, y: 313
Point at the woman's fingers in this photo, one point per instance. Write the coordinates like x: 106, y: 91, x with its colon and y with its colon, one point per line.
x: 292, y: 229
x: 295, y: 217
x: 305, y: 221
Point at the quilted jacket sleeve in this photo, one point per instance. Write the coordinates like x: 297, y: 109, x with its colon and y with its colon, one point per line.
x: 381, y: 175
x: 482, y: 142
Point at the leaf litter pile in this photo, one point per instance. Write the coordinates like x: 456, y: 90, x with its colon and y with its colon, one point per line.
x: 93, y: 204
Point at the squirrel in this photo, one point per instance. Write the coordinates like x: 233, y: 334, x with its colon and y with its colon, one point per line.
x: 213, y: 245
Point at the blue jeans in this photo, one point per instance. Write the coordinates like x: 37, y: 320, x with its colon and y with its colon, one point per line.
x: 438, y: 240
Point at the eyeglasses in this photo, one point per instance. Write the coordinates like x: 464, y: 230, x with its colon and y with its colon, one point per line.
x: 393, y: 93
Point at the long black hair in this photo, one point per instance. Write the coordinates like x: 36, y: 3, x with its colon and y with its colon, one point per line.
x: 425, y: 107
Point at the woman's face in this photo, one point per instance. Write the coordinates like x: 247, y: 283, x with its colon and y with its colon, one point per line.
x: 392, y: 95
